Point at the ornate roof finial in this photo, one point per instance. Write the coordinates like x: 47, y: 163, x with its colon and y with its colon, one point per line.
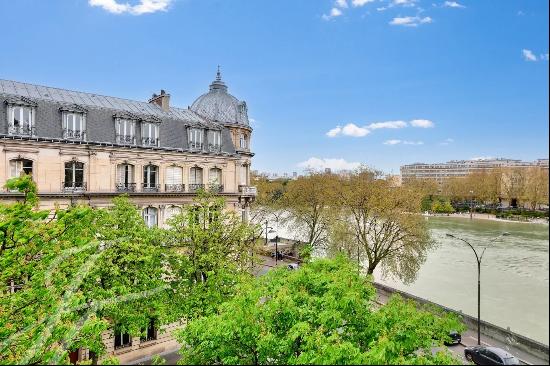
x: 218, y: 84
x: 218, y: 74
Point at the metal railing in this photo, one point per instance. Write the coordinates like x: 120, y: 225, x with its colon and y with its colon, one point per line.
x: 195, y: 145
x: 149, y: 187
x: 74, y: 134
x: 195, y: 187
x: 24, y: 130
x: 126, y: 187
x: 248, y: 190
x: 215, y: 188
x: 214, y: 148
x: 149, y: 141
x: 126, y: 139
x: 73, y: 186
x: 174, y: 187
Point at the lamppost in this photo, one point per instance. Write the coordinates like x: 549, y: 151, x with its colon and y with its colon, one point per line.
x: 471, y: 203
x: 478, y: 258
x: 266, y: 231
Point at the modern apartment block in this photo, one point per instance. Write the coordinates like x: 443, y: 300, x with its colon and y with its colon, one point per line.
x: 461, y: 168
x: 89, y: 148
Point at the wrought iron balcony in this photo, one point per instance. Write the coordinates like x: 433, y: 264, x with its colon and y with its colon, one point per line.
x: 195, y: 187
x: 148, y: 187
x: 126, y: 187
x: 215, y: 188
x: 248, y: 190
x: 149, y: 141
x: 195, y: 145
x: 174, y: 187
x: 126, y: 139
x: 24, y: 130
x: 214, y: 148
x: 74, y: 134
x: 74, y: 186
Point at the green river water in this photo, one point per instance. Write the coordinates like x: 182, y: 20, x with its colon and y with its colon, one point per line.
x: 514, y: 273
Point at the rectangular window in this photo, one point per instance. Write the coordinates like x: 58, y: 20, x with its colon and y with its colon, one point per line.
x: 243, y: 144
x: 149, y: 134
x: 150, y: 332
x: 74, y: 176
x: 21, y: 120
x: 74, y: 126
x: 214, y: 141
x: 150, y: 178
x: 125, y: 178
x: 122, y: 340
x: 18, y: 167
x: 125, y: 131
x: 195, y: 138
x: 174, y: 179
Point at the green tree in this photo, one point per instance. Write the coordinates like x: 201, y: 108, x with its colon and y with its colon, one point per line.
x: 322, y: 313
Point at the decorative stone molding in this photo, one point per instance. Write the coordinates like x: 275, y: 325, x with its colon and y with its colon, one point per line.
x: 22, y: 101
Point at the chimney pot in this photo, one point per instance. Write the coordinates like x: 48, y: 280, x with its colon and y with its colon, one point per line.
x: 162, y: 100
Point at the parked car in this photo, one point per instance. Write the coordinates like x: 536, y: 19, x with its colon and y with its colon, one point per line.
x: 481, y: 355
x: 456, y: 338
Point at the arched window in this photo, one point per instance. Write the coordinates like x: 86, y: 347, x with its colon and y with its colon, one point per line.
x: 150, y: 215
x: 243, y: 143
x: 150, y: 178
x: 195, y: 179
x: 74, y: 176
x: 215, y: 180
x: 170, y: 212
x: 19, y: 167
x: 125, y: 178
x: 173, y: 182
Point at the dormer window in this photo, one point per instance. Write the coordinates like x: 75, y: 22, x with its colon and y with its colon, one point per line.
x: 74, y: 126
x: 21, y: 120
x: 214, y: 141
x: 125, y: 131
x: 243, y: 143
x: 149, y: 134
x: 195, y: 138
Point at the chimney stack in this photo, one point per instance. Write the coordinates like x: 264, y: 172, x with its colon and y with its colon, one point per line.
x: 162, y: 100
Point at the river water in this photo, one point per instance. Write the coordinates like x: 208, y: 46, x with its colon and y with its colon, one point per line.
x: 514, y: 273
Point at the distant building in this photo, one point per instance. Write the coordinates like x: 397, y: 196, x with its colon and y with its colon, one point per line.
x: 328, y: 171
x: 461, y: 168
x: 294, y: 175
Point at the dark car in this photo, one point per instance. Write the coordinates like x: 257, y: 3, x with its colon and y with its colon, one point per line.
x: 481, y: 355
x: 456, y: 338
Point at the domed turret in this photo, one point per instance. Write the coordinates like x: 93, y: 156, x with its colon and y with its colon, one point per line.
x: 220, y: 106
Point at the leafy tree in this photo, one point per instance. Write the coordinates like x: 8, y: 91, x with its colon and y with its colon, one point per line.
x: 442, y: 206
x: 322, y: 313
x: 536, y: 189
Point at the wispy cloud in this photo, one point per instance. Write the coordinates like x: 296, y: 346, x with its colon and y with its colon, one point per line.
x: 351, y: 129
x: 334, y: 164
x: 403, y: 142
x: 544, y: 56
x: 452, y: 4
x: 446, y: 142
x: 392, y: 142
x: 528, y: 55
x: 342, y: 4
x: 358, y: 3
x: 334, y: 12
x: 143, y: 7
x: 410, y: 21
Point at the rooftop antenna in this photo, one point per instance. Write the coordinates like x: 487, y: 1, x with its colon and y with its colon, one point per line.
x: 218, y: 74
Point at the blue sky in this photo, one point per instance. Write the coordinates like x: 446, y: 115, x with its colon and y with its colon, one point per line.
x: 471, y: 75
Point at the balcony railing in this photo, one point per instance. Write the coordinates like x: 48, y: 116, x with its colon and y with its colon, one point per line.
x: 214, y: 148
x: 174, y: 187
x: 195, y: 187
x: 126, y: 139
x: 74, y: 135
x: 149, y: 141
x: 148, y: 187
x: 248, y: 190
x: 74, y: 186
x: 126, y: 187
x: 195, y: 145
x: 24, y: 130
x: 215, y: 188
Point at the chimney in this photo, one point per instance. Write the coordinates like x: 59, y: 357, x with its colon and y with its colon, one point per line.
x: 162, y: 100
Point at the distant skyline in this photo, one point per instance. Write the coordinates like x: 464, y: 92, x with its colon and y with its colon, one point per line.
x: 328, y: 83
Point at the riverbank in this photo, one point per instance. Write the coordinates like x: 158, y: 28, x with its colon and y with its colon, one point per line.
x: 485, y: 216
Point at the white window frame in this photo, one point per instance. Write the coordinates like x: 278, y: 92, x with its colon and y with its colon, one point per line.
x: 214, y: 140
x: 150, y: 131
x: 196, y: 138
x: 147, y: 176
x: 147, y: 215
x: 243, y: 143
x: 67, y: 116
x: 17, y: 167
x: 192, y: 177
x: 218, y: 177
x: 125, y: 127
x: 11, y: 118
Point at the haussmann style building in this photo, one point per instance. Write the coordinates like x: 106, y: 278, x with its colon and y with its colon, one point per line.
x: 88, y: 148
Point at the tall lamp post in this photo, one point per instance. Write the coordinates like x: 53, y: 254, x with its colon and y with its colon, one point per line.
x: 471, y: 203
x: 267, y: 229
x: 478, y: 258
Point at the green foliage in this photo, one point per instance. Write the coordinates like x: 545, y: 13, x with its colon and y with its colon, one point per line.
x: 157, y: 360
x: 305, y: 252
x: 442, y: 206
x: 322, y: 313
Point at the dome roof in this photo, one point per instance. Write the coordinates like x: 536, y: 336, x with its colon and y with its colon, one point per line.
x: 220, y: 106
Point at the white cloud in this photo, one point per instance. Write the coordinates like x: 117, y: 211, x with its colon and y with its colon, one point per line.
x: 388, y: 124
x: 334, y: 132
x: 397, y: 142
x: 333, y: 164
x: 544, y: 56
x: 422, y: 123
x: 334, y: 12
x: 341, y: 4
x: 358, y: 3
x: 392, y: 142
x: 405, y: 3
x: 447, y: 142
x: 143, y: 7
x: 528, y: 55
x: 352, y: 130
x: 410, y: 21
x: 413, y: 143
x: 452, y: 4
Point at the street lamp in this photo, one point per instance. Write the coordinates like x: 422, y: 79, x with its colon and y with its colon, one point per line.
x: 266, y: 231
x: 471, y: 203
x: 478, y: 258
